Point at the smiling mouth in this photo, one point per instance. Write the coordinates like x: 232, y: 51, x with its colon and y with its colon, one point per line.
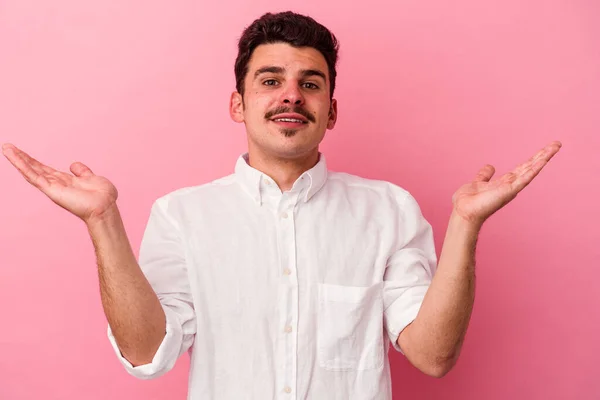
x: 294, y: 120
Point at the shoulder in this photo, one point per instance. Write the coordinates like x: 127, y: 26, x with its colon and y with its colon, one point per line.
x: 374, y: 187
x: 193, y: 194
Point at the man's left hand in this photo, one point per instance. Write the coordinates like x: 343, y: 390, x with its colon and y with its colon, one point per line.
x: 478, y: 200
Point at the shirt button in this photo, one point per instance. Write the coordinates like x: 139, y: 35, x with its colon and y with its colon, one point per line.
x: 287, y: 271
x: 288, y: 329
x: 284, y: 215
x: 288, y: 389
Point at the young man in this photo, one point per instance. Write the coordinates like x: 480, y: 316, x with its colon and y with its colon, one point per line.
x: 284, y: 279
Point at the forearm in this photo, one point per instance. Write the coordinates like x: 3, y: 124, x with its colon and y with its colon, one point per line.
x: 132, y: 308
x: 435, y: 337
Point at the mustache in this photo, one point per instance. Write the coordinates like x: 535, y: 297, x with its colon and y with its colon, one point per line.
x: 284, y: 109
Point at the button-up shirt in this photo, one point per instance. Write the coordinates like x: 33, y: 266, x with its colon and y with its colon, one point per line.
x: 285, y: 295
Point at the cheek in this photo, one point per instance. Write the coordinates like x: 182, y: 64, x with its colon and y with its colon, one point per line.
x: 325, y: 113
x: 253, y: 110
x: 260, y: 104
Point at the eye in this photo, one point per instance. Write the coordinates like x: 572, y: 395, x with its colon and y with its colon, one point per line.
x: 310, y: 85
x: 270, y: 82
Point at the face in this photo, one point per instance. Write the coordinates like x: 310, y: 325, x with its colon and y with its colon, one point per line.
x: 286, y: 105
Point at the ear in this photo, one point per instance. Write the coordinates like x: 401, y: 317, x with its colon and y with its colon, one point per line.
x: 332, y: 114
x: 236, y: 107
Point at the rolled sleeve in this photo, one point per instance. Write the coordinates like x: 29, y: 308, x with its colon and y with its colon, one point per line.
x: 166, y: 355
x: 409, y: 270
x: 163, y: 261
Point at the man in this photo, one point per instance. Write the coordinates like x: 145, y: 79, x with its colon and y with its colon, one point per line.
x: 284, y: 279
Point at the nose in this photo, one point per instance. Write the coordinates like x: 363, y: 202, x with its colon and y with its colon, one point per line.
x: 292, y: 94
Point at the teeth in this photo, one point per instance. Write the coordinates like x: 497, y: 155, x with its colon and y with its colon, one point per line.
x: 288, y: 120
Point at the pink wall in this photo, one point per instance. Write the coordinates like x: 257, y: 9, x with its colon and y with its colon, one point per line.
x: 428, y: 92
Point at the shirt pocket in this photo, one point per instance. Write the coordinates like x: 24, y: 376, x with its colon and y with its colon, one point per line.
x: 350, y: 327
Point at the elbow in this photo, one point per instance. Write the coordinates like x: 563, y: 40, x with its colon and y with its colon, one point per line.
x: 440, y: 368
x: 438, y: 371
x: 138, y: 362
x: 434, y: 369
x: 435, y: 364
x: 143, y: 355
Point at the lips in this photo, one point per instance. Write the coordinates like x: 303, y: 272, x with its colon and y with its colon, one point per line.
x: 290, y: 118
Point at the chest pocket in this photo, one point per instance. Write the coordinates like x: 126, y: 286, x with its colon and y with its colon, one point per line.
x: 350, y: 327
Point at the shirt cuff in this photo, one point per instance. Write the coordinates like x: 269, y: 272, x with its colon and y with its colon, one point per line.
x: 402, y: 312
x: 166, y: 355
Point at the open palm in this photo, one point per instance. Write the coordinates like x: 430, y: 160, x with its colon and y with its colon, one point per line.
x: 83, y: 194
x: 479, y: 199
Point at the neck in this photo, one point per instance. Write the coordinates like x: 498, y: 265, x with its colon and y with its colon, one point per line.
x: 284, y: 171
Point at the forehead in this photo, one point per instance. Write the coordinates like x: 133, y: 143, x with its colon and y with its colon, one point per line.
x: 293, y: 59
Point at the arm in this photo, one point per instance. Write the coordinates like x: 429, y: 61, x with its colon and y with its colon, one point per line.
x: 132, y: 293
x: 432, y: 342
x: 131, y: 306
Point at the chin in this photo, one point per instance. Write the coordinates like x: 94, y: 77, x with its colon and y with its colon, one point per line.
x: 288, y: 150
x: 289, y: 132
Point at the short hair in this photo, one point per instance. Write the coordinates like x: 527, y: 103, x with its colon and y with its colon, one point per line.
x: 286, y: 27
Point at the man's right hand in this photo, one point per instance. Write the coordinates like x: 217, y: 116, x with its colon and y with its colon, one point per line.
x: 83, y: 194
x: 132, y: 308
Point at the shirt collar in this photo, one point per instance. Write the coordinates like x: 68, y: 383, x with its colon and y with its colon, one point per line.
x: 251, y: 179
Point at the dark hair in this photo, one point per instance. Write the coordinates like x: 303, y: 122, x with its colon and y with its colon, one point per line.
x: 287, y: 27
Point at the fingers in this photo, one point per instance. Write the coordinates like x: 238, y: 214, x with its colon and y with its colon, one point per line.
x: 523, y: 174
x: 529, y: 170
x: 485, y: 173
x: 35, y: 164
x: 552, y: 149
x: 527, y: 175
x: 22, y: 163
x: 546, y: 153
x: 80, y: 169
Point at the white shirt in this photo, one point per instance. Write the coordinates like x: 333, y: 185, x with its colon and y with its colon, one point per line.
x: 293, y: 295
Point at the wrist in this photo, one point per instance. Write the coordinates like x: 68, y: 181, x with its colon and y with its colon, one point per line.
x: 459, y: 223
x: 109, y: 216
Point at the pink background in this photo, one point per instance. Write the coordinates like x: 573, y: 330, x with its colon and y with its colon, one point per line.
x: 428, y: 92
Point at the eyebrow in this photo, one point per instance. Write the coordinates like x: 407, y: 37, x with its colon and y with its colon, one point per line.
x: 312, y: 72
x: 305, y: 73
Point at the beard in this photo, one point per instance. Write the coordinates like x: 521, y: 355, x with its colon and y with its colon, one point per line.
x: 288, y: 132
